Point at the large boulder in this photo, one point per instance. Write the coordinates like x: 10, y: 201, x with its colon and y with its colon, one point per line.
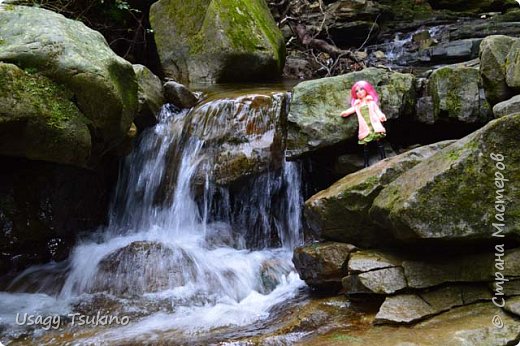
x: 69, y: 53
x: 494, y: 51
x: 340, y: 212
x: 457, y: 95
x: 314, y: 120
x: 217, y: 41
x: 39, y: 120
x: 244, y: 134
x: 142, y: 266
x: 459, y: 193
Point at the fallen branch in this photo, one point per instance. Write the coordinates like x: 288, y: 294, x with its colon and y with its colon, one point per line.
x: 306, y: 39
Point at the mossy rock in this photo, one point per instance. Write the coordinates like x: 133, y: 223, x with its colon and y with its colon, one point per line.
x: 504, y: 108
x: 513, y: 66
x: 217, y: 41
x: 150, y: 95
x: 314, y: 117
x: 494, y: 51
x: 39, y: 121
x: 68, y: 52
x: 340, y: 212
x: 453, y: 195
x: 456, y: 95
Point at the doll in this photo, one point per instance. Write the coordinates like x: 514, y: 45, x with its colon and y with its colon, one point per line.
x: 364, y: 100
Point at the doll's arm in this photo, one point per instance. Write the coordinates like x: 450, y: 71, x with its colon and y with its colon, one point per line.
x: 348, y: 112
x: 381, y: 115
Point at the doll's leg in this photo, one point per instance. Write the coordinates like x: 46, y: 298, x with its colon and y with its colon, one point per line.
x: 381, y: 149
x: 365, y: 154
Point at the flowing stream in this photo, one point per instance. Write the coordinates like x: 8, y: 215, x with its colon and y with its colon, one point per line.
x: 181, y: 258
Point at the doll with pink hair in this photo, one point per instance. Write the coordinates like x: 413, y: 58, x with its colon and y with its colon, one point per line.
x: 363, y: 102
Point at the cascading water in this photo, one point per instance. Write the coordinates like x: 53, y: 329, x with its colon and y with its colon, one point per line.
x: 174, y: 260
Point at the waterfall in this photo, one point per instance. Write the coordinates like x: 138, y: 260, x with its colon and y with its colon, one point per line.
x: 182, y: 252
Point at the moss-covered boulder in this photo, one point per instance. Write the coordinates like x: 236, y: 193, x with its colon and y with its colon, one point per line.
x: 150, y: 96
x: 217, y: 41
x: 314, y: 120
x: 68, y: 52
x: 457, y: 95
x: 459, y: 193
x: 494, y: 51
x: 340, y: 212
x: 39, y: 120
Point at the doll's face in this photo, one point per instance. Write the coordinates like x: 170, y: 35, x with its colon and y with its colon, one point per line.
x: 361, y: 92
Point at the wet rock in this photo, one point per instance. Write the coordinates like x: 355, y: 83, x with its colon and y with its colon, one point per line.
x: 507, y: 107
x: 494, y: 51
x: 409, y: 308
x: 456, y: 95
x: 69, y: 53
x: 272, y: 273
x: 214, y: 41
x: 150, y: 96
x: 452, y: 51
x: 451, y: 195
x: 314, y: 120
x: 179, y: 95
x: 340, y: 212
x: 142, y: 267
x: 244, y: 135
x: 322, y: 265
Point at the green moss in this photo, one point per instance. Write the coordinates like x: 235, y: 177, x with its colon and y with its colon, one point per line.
x: 246, y: 25
x: 50, y: 100
x: 126, y: 84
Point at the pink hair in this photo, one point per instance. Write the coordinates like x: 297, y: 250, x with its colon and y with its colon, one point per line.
x: 368, y: 88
